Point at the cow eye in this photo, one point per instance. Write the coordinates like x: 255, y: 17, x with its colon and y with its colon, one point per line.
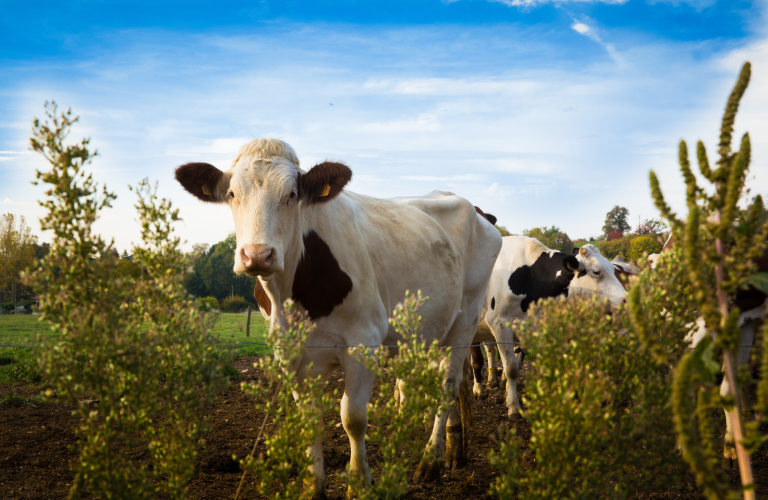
x: 596, y: 272
x: 292, y: 196
x: 231, y: 194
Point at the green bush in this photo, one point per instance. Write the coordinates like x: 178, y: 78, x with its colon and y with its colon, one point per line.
x: 599, y: 409
x: 234, y: 304
x: 118, y: 336
x: 642, y: 246
x: 286, y: 465
x: 207, y: 303
x: 616, y: 248
x: 26, y: 369
x: 417, y: 368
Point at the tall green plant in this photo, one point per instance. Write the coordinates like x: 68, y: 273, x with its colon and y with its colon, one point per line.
x: 719, y: 242
x: 138, y: 347
x: 598, y: 405
x: 394, y: 422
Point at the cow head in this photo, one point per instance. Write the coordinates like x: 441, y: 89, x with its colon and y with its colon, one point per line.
x: 597, y: 276
x: 265, y: 189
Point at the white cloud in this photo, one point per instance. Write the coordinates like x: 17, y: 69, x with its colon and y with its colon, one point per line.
x: 592, y: 33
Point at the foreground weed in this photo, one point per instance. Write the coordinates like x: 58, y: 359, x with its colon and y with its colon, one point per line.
x: 599, y: 408
x: 394, y: 422
x: 118, y: 336
x: 295, y: 411
x: 720, y: 242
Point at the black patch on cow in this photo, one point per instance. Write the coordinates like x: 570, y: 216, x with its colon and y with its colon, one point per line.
x: 493, y: 303
x: 319, y: 284
x: 582, y: 273
x: 262, y: 298
x: 540, y: 280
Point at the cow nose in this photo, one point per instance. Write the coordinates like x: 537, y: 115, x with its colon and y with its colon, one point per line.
x: 624, y: 301
x: 256, y: 257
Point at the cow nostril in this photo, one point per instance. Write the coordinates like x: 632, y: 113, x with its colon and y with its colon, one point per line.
x: 245, y: 257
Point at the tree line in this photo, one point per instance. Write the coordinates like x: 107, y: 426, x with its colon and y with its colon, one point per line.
x: 617, y: 239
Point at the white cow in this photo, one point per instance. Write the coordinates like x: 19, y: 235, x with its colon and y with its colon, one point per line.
x: 526, y: 271
x: 347, y: 260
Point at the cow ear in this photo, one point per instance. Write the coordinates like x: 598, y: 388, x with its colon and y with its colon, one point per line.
x: 571, y: 263
x: 204, y: 181
x: 324, y: 182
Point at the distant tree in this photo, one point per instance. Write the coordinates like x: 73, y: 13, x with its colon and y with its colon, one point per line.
x: 41, y: 250
x: 503, y: 230
x: 200, y: 248
x: 551, y: 237
x: 212, y: 274
x: 17, y: 252
x: 616, y: 220
x: 651, y: 226
x: 125, y: 255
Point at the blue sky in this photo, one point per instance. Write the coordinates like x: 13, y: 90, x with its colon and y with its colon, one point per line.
x: 541, y: 112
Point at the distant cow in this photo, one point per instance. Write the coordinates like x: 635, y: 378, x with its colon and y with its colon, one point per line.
x: 347, y: 260
x: 525, y: 272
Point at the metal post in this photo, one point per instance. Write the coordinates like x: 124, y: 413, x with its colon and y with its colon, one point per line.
x: 248, y: 323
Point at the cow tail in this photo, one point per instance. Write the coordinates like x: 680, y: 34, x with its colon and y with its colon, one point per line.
x: 465, y: 403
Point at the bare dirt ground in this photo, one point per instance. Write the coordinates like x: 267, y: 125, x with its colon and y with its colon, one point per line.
x: 36, y: 450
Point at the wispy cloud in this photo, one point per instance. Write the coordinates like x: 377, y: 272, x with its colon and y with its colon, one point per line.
x: 588, y: 28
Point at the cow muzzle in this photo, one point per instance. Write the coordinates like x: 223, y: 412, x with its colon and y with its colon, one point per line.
x: 257, y: 258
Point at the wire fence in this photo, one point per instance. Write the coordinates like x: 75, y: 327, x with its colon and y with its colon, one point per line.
x: 318, y: 346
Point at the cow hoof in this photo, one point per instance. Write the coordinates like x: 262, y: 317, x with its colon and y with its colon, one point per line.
x: 427, y: 471
x: 492, y: 384
x: 516, y: 417
x: 480, y: 395
x: 455, y: 455
x: 312, y: 491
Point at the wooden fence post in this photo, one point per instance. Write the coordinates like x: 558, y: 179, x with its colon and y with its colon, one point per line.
x: 248, y: 323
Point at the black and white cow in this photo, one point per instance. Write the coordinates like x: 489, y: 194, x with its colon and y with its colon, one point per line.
x: 347, y: 260
x: 525, y: 272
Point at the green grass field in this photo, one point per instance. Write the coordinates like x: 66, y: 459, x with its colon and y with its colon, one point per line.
x: 28, y: 330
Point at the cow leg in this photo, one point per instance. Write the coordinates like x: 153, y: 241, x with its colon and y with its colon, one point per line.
x: 477, y: 369
x: 358, y: 384
x: 460, y: 423
x: 429, y: 467
x: 510, y: 364
x: 493, y: 370
x: 747, y: 337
